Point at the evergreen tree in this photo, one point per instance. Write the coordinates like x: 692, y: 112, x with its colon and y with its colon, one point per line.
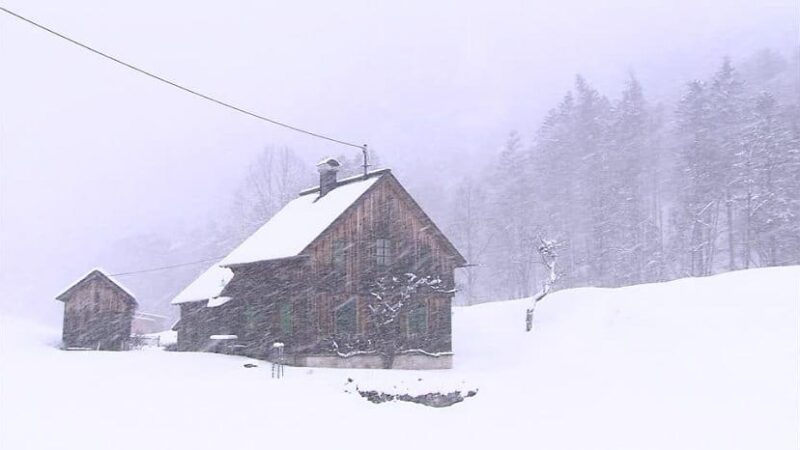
x: 770, y: 186
x: 727, y: 114
x: 513, y: 208
x: 596, y: 191
x: 468, y: 229
x: 553, y: 160
x: 628, y: 140
x: 695, y: 221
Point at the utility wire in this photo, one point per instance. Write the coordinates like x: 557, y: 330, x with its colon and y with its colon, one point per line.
x: 176, y: 85
x: 156, y: 269
x: 185, y: 89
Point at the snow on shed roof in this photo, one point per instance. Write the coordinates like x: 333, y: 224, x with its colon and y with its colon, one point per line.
x: 285, y: 235
x: 148, y: 316
x: 96, y: 272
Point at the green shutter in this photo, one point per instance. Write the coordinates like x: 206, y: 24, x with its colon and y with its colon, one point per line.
x: 418, y: 320
x: 346, y: 318
x: 339, y: 255
x: 287, y: 311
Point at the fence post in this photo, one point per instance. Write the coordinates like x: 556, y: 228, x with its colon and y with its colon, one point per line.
x: 277, y: 360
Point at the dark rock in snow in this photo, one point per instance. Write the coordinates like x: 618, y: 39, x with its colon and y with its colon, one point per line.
x: 433, y: 399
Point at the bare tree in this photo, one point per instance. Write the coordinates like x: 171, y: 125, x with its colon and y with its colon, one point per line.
x: 549, y: 254
x: 272, y: 180
x: 394, y: 297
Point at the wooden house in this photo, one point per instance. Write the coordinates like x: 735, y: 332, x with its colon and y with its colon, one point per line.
x: 308, y: 277
x: 97, y: 313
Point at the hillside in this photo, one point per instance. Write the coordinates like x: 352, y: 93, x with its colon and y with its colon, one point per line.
x: 709, y: 363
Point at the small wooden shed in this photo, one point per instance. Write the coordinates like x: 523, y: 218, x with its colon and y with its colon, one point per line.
x: 98, y: 312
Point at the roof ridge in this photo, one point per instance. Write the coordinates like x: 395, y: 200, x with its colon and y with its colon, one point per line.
x: 305, y: 218
x: 348, y: 180
x: 105, y: 275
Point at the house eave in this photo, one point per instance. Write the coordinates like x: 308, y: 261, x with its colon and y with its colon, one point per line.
x: 234, y: 266
x: 348, y: 180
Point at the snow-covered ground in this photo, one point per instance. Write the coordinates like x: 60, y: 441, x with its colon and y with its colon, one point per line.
x: 708, y: 363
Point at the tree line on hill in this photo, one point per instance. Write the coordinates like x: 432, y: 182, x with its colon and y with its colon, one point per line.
x: 629, y: 191
x: 637, y: 192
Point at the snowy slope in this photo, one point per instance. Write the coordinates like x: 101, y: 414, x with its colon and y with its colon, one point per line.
x: 692, y: 364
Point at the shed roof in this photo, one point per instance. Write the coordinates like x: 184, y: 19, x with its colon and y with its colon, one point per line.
x: 96, y: 273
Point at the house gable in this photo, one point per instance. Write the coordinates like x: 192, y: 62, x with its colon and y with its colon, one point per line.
x: 344, y: 263
x: 97, y: 279
x: 385, y: 210
x: 429, y: 226
x: 98, y: 295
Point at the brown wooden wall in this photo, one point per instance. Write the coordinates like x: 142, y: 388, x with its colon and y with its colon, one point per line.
x: 97, y: 315
x: 386, y: 212
x: 314, y: 287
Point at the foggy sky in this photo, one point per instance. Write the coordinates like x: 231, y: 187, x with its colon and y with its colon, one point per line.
x: 91, y: 152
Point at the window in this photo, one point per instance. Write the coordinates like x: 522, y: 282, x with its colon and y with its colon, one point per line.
x: 286, y: 313
x: 324, y: 314
x: 389, y: 210
x: 383, y: 252
x: 418, y: 320
x: 425, y: 257
x: 96, y: 303
x: 339, y: 255
x: 250, y: 319
x: 345, y: 318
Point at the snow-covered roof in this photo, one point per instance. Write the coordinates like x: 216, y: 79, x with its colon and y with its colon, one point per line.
x: 207, y: 286
x: 218, y: 301
x: 295, y: 226
x: 285, y: 235
x: 148, y: 316
x: 223, y: 337
x: 96, y: 272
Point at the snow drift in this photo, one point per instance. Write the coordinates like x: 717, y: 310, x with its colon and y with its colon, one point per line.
x: 709, y: 363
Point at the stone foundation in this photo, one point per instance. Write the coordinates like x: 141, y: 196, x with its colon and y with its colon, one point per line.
x: 404, y: 362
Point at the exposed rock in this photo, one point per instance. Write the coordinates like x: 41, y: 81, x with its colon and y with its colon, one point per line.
x: 432, y: 399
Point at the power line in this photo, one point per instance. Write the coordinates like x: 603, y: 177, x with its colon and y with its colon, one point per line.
x: 176, y: 85
x: 156, y: 269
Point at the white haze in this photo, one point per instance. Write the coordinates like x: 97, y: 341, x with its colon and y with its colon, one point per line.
x: 92, y: 153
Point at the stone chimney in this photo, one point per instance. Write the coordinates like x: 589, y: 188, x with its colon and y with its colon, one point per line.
x: 327, y: 168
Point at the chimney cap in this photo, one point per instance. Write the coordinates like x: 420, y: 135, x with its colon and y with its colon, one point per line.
x: 328, y: 164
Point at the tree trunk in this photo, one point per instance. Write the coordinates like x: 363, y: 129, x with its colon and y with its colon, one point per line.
x: 747, y: 230
x: 729, y: 214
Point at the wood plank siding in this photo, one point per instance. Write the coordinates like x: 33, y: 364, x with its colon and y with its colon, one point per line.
x: 97, y: 314
x: 305, y: 301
